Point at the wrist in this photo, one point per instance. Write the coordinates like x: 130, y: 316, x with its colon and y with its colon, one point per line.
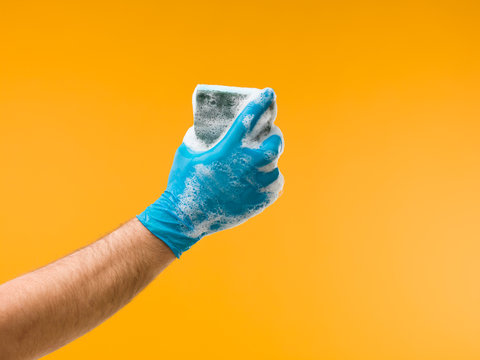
x: 153, y: 255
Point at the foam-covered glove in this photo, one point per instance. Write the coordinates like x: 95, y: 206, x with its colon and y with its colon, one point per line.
x: 218, y: 188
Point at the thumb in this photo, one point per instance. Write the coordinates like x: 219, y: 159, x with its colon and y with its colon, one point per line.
x: 249, y: 116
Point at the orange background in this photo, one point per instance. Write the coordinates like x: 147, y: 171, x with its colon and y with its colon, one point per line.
x: 373, y: 252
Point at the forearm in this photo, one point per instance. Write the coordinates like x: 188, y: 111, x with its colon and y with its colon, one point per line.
x: 43, y: 310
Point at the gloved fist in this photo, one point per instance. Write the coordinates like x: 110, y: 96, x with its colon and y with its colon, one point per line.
x: 219, y: 188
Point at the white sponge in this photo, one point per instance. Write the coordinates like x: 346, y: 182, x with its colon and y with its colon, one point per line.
x: 215, y: 108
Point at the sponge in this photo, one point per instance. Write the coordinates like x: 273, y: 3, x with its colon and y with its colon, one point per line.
x: 215, y: 108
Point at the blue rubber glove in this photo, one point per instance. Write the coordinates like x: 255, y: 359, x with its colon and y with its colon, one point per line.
x: 219, y: 188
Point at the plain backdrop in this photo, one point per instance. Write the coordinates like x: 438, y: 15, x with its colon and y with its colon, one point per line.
x: 372, y: 252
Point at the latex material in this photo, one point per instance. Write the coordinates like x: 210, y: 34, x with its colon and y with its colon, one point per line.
x: 218, y: 188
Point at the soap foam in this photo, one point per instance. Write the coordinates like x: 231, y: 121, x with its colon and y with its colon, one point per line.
x: 192, y: 204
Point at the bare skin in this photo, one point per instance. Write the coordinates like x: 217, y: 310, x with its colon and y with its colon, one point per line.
x: 47, y: 308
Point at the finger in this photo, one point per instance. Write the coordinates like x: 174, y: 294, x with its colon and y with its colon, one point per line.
x: 268, y: 151
x: 266, y: 178
x: 249, y: 116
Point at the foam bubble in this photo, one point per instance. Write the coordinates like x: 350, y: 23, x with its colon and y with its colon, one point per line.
x: 199, y: 204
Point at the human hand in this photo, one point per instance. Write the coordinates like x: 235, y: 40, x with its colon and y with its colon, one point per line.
x: 221, y: 187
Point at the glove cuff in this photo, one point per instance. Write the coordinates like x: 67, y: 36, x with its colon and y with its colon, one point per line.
x: 163, y: 221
